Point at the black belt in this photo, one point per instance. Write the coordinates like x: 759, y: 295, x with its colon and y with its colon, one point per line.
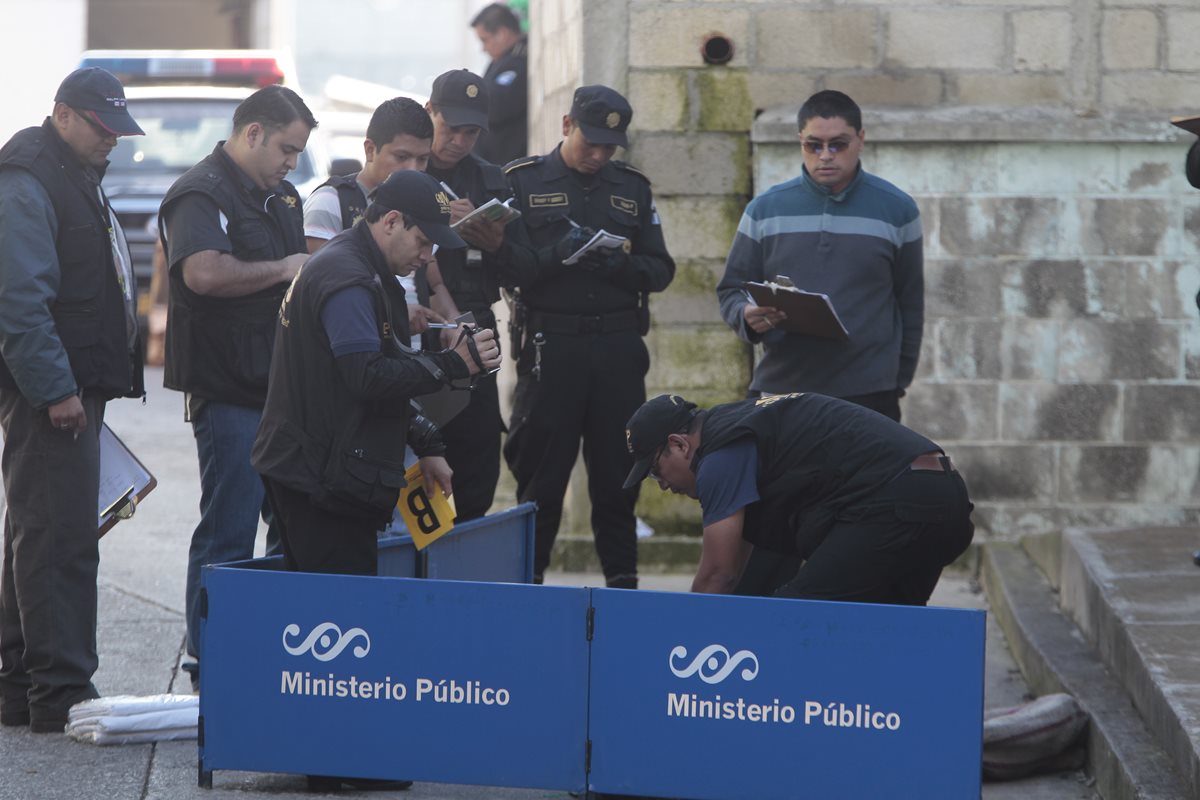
x: 616, y: 322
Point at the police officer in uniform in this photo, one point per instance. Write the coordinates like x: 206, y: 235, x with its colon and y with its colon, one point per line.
x: 69, y: 343
x: 583, y: 363
x: 499, y: 32
x: 459, y: 110
x: 234, y: 238
x: 874, y: 510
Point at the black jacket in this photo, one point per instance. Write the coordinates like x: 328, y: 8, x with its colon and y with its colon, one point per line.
x: 219, y: 348
x: 507, y: 137
x: 331, y: 426
x: 817, y: 455
x: 89, y: 307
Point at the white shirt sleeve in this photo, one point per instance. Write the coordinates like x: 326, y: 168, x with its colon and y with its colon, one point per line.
x: 323, y: 214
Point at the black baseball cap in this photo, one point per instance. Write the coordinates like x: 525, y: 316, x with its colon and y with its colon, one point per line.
x: 648, y: 429
x: 97, y: 94
x: 461, y: 97
x: 425, y: 202
x: 602, y: 114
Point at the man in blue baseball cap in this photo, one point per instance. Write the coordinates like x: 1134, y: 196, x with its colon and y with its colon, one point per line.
x: 69, y: 343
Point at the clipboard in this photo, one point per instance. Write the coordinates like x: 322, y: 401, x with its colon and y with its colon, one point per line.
x: 808, y: 313
x: 124, y: 481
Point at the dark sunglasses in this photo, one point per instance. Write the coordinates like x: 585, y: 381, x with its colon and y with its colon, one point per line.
x: 100, y: 130
x: 815, y: 146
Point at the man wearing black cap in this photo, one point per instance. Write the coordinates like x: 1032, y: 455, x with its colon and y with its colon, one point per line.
x: 459, y: 110
x: 69, y: 342
x: 331, y: 444
x: 234, y: 238
x: 874, y: 509
x: 582, y: 368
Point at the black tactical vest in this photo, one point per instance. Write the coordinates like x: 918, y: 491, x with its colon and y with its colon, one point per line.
x: 89, y: 309
x: 219, y: 348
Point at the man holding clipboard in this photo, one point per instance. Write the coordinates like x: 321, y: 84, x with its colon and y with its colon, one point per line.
x: 842, y: 232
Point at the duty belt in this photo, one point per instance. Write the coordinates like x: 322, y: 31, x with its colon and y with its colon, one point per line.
x: 616, y: 322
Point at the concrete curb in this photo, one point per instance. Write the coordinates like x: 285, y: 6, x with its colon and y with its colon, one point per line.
x: 1123, y: 757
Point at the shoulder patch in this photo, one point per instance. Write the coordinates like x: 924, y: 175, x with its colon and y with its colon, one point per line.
x: 527, y: 161
x: 631, y: 168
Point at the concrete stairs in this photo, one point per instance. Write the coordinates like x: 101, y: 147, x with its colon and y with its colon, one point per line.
x: 1113, y: 618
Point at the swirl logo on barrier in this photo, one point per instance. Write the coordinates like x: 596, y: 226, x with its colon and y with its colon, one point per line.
x: 321, y: 642
x: 713, y: 664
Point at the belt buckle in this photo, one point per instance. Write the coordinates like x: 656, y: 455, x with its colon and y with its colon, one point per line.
x: 591, y: 324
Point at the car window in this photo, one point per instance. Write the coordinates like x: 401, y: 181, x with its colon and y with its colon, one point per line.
x: 178, y: 134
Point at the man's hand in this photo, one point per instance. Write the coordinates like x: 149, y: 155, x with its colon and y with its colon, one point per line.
x: 293, y: 263
x: 604, y: 260
x: 575, y: 239
x: 436, y: 471
x: 68, y: 415
x: 487, y: 236
x: 486, y: 345
x: 419, y: 318
x: 459, y: 209
x: 761, y: 319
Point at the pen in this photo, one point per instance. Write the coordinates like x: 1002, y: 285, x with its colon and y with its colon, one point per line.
x: 449, y: 191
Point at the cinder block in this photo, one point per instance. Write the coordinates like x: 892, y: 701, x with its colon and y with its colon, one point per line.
x: 1116, y: 474
x: 1127, y: 516
x: 665, y: 36
x: 1041, y: 40
x: 946, y: 39
x: 1116, y: 226
x: 1190, y: 339
x: 1158, y: 289
x: 841, y: 39
x: 1183, y: 32
x: 697, y: 164
x: 1093, y: 351
x: 1056, y: 169
x: 783, y: 88
x: 1006, y: 522
x: 1190, y: 240
x: 1166, y: 92
x: 1162, y: 413
x: 707, y: 358
x: 998, y: 226
x: 949, y: 412
x: 918, y: 168
x: 1026, y: 89
x: 992, y: 350
x: 917, y: 89
x: 1064, y: 289
x: 724, y: 101
x: 1048, y: 412
x: 956, y: 288
x: 1129, y: 39
x: 692, y: 297
x: 1007, y: 472
x: 698, y: 226
x: 659, y: 100
x: 1150, y: 169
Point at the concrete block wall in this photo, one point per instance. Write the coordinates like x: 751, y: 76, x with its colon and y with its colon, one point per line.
x: 1061, y: 362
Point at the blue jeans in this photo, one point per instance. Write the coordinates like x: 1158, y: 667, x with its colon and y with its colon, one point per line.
x: 231, y: 498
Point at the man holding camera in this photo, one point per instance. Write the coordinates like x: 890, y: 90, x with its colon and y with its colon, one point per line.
x: 331, y: 444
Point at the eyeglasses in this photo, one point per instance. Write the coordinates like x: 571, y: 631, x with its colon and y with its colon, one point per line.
x: 815, y: 146
x: 654, y: 464
x: 100, y: 130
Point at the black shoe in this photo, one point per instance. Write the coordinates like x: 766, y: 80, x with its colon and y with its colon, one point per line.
x: 15, y: 716
x: 324, y: 783
x: 49, y: 720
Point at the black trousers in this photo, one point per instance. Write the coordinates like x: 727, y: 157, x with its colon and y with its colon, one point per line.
x: 589, y: 387
x: 892, y: 547
x: 315, y: 540
x: 472, y: 442
x: 51, y: 556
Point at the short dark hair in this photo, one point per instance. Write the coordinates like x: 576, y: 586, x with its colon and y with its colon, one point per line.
x: 496, y: 16
x: 273, y: 107
x: 827, y: 105
x: 396, y: 116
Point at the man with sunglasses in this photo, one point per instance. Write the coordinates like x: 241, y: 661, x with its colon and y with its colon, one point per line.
x: 841, y: 231
x: 838, y: 230
x: 69, y: 341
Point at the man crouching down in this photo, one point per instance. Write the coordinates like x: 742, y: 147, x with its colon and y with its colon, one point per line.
x: 331, y: 444
x: 874, y: 510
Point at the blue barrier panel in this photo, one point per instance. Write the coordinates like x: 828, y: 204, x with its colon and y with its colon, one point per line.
x: 394, y: 678
x: 718, y: 697
x: 498, y: 547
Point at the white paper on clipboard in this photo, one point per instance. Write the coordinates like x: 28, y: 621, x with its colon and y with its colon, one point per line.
x: 122, y: 478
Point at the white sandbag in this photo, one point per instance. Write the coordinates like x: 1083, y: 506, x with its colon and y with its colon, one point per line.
x: 1045, y: 735
x: 100, y: 737
x: 123, y: 704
